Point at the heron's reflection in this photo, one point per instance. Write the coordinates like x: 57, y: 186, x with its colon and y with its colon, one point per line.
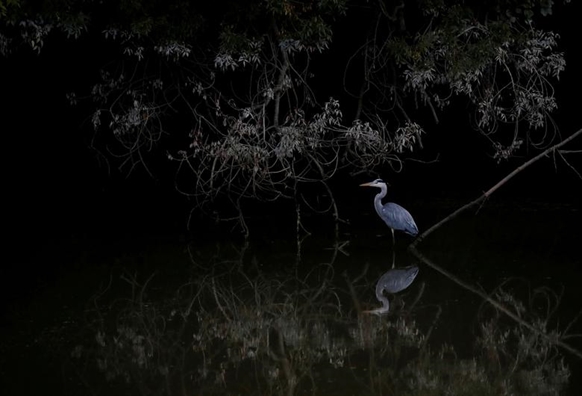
x: 392, y: 282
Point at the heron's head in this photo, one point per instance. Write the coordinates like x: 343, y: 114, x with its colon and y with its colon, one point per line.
x: 375, y: 183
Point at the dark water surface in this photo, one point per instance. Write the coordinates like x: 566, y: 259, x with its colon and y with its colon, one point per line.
x: 532, y: 250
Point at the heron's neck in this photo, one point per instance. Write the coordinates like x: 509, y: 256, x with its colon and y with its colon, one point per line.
x: 378, y: 203
x: 378, y: 199
x: 385, y: 304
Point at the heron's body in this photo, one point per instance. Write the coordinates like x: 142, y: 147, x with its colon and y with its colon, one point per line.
x: 393, y: 281
x: 394, y: 215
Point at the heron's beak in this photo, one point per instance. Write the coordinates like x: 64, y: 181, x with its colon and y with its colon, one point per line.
x: 369, y: 184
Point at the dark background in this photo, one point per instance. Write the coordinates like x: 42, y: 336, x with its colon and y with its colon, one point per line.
x: 65, y: 205
x: 56, y: 187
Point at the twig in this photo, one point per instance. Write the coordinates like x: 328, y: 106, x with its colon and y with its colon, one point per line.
x: 218, y: 302
x: 284, y: 360
x: 353, y: 293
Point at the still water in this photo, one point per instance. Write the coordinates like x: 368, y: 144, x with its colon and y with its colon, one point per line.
x: 280, y: 315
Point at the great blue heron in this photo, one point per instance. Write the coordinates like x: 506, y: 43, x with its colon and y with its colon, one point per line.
x: 394, y: 215
x: 392, y: 282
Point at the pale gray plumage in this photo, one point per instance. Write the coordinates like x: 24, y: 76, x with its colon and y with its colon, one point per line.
x: 394, y: 215
x: 392, y: 282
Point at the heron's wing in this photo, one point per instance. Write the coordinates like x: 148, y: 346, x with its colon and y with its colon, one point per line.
x: 398, y: 218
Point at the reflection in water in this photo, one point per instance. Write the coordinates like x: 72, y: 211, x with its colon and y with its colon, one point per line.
x: 235, y: 330
x: 393, y: 281
x: 286, y: 329
x: 225, y: 319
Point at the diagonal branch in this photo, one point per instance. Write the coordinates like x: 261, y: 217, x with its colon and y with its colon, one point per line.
x: 487, y: 193
x: 552, y: 339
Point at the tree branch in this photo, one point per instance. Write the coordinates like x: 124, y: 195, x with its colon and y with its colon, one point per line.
x: 412, y: 248
x: 487, y: 193
x: 497, y: 305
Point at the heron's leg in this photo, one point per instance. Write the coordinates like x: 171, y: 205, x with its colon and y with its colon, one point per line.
x: 393, y: 249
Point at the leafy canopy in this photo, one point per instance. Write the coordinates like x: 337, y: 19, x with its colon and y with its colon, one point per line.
x: 254, y: 98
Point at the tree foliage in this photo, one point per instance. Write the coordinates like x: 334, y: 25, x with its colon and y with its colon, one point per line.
x: 245, y: 96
